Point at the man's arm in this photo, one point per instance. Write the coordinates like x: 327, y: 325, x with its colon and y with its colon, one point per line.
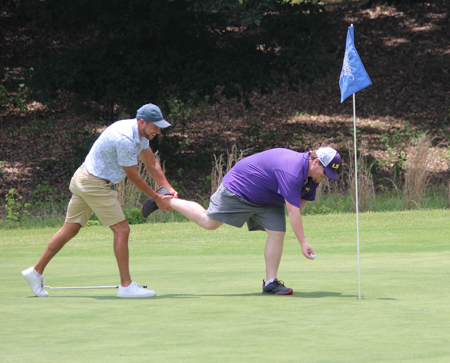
x: 303, y: 204
x: 297, y: 226
x: 155, y: 170
x: 162, y: 201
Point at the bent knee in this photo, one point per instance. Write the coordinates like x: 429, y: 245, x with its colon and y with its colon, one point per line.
x: 125, y: 231
x: 70, y: 230
x: 211, y: 224
x: 74, y: 233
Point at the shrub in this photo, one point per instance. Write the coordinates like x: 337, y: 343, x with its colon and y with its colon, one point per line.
x: 17, y: 210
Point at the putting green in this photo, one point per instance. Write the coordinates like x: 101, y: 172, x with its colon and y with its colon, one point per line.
x: 209, y: 307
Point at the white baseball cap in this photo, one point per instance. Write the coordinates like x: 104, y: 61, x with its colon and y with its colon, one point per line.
x: 331, y: 160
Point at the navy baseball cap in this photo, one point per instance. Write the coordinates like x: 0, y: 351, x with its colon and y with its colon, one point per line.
x: 152, y: 113
x: 331, y: 160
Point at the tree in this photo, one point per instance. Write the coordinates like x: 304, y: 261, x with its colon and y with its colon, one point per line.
x: 135, y: 51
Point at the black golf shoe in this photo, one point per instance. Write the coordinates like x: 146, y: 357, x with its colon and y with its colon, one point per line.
x: 150, y: 205
x: 276, y: 288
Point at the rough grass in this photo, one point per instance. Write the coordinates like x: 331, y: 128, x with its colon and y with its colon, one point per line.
x: 209, y: 306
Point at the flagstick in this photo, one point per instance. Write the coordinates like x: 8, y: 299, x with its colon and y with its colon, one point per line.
x: 352, y: 63
x: 356, y: 184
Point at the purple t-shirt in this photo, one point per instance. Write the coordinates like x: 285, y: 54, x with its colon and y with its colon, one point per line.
x: 270, y: 177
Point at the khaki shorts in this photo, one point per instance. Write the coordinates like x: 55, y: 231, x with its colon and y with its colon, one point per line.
x: 89, y: 194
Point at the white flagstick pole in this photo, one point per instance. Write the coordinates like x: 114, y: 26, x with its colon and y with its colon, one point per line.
x: 356, y: 184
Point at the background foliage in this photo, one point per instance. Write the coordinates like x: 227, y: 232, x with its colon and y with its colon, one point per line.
x: 402, y: 47
x: 127, y: 52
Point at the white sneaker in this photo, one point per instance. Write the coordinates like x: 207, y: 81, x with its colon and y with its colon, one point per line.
x: 37, y: 284
x: 134, y: 290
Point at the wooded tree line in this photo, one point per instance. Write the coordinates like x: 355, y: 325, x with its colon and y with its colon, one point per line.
x: 127, y: 52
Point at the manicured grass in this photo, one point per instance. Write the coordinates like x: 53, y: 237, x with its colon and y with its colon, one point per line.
x: 209, y: 306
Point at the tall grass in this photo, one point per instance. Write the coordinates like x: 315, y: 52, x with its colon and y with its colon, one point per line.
x: 417, y: 175
x: 415, y: 193
x: 222, y: 166
x: 366, y: 189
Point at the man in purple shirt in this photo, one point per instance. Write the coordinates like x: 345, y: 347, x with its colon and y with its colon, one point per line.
x: 255, y: 191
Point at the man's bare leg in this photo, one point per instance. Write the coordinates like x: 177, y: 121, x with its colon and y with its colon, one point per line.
x: 127, y: 289
x: 121, y: 232
x: 195, y: 212
x: 56, y: 243
x: 273, y: 252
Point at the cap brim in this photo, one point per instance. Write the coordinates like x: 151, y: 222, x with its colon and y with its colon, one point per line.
x: 331, y: 174
x: 163, y: 123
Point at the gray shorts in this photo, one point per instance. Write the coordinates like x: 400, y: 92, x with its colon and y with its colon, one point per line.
x: 228, y: 208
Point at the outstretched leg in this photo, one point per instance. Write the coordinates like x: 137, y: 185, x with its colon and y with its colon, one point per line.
x: 195, y: 212
x: 33, y: 275
x: 56, y: 243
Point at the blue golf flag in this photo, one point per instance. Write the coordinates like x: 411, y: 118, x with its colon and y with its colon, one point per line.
x: 353, y: 75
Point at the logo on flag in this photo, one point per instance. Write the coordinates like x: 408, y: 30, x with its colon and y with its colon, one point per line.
x: 353, y: 75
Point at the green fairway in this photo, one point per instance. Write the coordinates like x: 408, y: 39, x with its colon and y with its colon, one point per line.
x: 209, y: 306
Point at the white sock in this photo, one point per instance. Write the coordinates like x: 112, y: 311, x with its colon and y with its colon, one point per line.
x: 37, y: 274
x: 268, y: 282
